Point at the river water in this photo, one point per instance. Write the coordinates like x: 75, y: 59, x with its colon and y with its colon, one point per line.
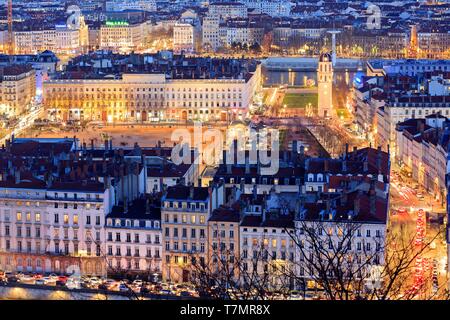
x: 300, y: 78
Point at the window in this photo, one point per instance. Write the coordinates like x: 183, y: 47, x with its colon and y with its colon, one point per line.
x: 66, y: 219
x: 75, y: 219
x: 37, y: 217
x: 97, y: 220
x: 202, y: 219
x: 19, y: 216
x: 28, y: 217
x: 88, y: 220
x: 193, y: 219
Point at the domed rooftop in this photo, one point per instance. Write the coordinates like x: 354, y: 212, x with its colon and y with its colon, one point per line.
x: 325, y: 57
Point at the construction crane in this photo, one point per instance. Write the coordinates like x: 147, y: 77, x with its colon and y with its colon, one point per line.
x: 10, y: 29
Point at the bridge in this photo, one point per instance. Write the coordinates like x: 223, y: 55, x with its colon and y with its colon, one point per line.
x: 309, y: 64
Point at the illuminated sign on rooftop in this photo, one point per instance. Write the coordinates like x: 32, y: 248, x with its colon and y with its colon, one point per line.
x: 116, y: 23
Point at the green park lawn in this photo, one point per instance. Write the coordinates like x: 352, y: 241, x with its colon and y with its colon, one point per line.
x: 300, y: 100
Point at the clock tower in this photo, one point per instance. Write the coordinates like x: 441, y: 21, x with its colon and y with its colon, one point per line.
x: 325, y: 86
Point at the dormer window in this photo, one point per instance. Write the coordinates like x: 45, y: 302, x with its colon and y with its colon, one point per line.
x: 128, y: 223
x: 136, y: 223
x: 156, y: 224
x: 109, y: 222
x: 117, y: 222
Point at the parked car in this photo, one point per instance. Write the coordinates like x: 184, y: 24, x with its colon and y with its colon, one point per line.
x: 28, y: 279
x: 165, y: 292
x: 144, y: 289
x: 49, y: 281
x: 185, y: 294
x: 123, y: 288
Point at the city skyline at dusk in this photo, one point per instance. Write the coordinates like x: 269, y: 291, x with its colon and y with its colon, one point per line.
x: 224, y: 150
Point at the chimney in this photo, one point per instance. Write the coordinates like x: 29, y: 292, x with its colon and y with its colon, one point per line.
x: 247, y: 165
x: 356, y: 207
x: 285, y: 156
x: 372, y: 197
x: 365, y: 166
x: 420, y: 126
x: 191, y: 191
x: 92, y: 144
x: 344, y: 197
x: 294, y: 152
x: 110, y: 144
x: 17, y: 176
x: 346, y: 151
x: 379, y: 159
x: 106, y: 145
x: 325, y: 165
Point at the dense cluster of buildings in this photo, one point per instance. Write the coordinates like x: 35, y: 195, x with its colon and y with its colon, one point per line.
x: 389, y: 30
x: 396, y: 103
x: 109, y: 87
x: 67, y: 206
